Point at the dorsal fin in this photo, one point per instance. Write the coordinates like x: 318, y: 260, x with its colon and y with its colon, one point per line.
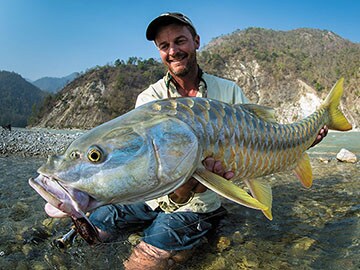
x: 263, y: 112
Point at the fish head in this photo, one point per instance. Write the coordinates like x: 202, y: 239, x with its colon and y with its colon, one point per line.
x: 119, y: 164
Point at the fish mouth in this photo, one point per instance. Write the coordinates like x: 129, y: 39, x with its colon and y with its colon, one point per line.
x: 62, y: 199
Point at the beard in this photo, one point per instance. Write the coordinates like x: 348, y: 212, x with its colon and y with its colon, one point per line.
x: 185, y: 69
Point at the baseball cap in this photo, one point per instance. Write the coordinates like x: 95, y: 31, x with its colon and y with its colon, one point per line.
x: 166, y: 19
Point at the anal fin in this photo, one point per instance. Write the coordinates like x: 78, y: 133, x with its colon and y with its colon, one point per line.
x: 263, y: 193
x: 303, y: 171
x: 227, y: 189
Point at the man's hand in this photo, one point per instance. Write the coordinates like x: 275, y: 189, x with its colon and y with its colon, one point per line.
x: 183, y: 193
x: 321, y: 135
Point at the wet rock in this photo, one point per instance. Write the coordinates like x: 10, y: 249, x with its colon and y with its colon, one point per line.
x: 22, y: 266
x: 223, y: 243
x: 35, y: 235
x: 55, y: 260
x: 251, y: 261
x: 346, y: 156
x: 134, y: 238
x: 324, y: 160
x: 26, y: 249
x: 238, y: 238
x: 303, y: 244
x: 219, y: 263
x: 250, y: 245
x: 19, y: 211
x: 40, y: 266
x: 48, y: 223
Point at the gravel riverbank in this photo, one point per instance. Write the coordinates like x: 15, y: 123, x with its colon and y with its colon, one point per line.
x: 35, y: 142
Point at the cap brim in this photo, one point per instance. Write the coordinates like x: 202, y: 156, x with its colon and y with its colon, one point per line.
x: 163, y: 20
x: 151, y: 31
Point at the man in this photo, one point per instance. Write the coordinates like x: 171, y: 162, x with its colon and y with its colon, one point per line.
x: 176, y: 223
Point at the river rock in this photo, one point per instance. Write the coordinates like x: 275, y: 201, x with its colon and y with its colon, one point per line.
x: 223, y: 243
x: 346, y: 156
x: 303, y: 244
x: 324, y: 160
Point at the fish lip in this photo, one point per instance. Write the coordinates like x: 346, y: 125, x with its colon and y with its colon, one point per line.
x: 61, y: 196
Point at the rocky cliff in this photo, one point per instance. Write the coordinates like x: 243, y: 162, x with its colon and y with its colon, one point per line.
x: 291, y: 71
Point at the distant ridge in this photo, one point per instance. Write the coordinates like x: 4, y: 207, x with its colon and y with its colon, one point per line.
x: 18, y: 99
x: 52, y: 84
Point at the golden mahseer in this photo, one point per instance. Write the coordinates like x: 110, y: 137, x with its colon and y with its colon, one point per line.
x: 155, y: 148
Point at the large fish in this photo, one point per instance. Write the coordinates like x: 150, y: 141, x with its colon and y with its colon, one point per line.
x: 155, y: 148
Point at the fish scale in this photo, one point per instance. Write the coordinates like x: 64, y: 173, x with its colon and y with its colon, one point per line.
x: 219, y: 135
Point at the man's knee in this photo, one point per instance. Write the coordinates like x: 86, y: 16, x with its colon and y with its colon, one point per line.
x: 104, y: 218
x: 177, y: 231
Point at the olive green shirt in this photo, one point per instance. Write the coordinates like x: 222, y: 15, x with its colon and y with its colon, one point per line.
x: 211, y: 87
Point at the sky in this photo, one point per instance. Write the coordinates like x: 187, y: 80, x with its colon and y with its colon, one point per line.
x: 53, y: 38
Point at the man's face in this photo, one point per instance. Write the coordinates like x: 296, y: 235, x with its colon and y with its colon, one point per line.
x: 177, y: 48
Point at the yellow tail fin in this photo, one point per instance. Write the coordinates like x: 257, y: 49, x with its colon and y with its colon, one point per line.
x: 332, y: 101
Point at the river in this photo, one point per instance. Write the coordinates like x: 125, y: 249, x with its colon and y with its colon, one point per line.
x: 315, y: 228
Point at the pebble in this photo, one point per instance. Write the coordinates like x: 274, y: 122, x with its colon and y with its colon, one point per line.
x: 251, y: 261
x: 346, y: 156
x: 26, y: 249
x: 223, y: 243
x: 324, y: 160
x: 134, y: 239
x: 303, y: 244
x: 35, y: 142
x: 238, y: 238
x: 219, y: 263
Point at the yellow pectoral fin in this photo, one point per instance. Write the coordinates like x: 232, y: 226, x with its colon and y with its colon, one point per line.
x: 227, y: 189
x: 303, y: 171
x: 262, y: 192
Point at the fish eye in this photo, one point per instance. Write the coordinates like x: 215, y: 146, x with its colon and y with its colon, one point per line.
x: 95, y: 154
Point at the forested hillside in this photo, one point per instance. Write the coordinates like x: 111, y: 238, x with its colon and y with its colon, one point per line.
x: 18, y: 99
x: 99, y: 95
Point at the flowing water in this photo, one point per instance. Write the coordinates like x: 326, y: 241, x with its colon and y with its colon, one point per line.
x: 315, y: 228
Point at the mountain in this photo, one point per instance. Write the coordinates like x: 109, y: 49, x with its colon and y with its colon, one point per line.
x: 18, y: 99
x: 99, y: 95
x: 291, y: 71
x: 53, y: 85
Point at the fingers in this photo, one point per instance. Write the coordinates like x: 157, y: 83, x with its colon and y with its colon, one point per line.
x: 192, y: 185
x: 185, y: 189
x: 199, y: 188
x: 209, y: 163
x: 326, y: 130
x: 215, y: 166
x: 218, y: 168
x: 228, y: 175
x: 322, y: 133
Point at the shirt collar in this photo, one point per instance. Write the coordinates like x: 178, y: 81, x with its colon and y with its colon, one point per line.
x: 171, y: 87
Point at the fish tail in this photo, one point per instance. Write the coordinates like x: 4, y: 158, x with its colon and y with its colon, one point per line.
x: 337, y: 120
